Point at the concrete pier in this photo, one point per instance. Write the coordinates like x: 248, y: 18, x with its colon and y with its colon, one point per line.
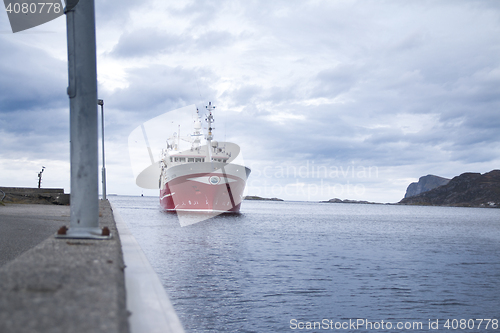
x: 73, y: 285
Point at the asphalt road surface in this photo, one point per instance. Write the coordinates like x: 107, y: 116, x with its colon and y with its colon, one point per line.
x: 23, y: 226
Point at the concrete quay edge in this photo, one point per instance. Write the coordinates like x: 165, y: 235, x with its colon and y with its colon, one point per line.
x: 147, y: 300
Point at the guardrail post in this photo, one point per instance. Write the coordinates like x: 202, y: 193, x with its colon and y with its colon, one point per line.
x: 82, y: 91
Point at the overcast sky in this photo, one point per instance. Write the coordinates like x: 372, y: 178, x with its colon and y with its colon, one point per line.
x: 347, y: 99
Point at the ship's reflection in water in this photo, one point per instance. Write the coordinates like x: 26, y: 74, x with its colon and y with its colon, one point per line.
x: 187, y: 218
x: 282, y: 261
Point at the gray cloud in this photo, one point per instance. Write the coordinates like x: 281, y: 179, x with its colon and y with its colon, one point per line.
x: 335, y: 81
x: 30, y: 78
x: 146, y: 42
x: 159, y: 87
x: 150, y: 42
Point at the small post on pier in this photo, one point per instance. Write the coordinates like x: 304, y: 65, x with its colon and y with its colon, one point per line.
x: 82, y: 91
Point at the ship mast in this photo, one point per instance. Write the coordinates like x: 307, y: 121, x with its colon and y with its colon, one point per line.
x: 210, y: 120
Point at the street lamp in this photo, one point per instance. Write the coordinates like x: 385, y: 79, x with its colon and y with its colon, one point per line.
x: 101, y: 103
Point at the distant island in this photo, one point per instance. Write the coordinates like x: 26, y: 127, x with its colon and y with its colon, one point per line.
x: 336, y: 200
x: 255, y: 197
x: 467, y: 190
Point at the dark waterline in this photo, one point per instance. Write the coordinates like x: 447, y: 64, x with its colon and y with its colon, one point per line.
x: 279, y: 264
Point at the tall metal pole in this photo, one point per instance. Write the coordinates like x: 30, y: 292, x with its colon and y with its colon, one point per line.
x: 101, y: 103
x: 82, y: 91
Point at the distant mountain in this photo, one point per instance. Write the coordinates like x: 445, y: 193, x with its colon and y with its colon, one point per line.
x: 425, y: 183
x: 467, y: 190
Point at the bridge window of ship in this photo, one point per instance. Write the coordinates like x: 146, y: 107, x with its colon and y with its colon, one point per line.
x: 190, y: 159
x: 199, y: 160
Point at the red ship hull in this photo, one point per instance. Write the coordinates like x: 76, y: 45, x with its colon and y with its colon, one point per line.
x: 220, y: 190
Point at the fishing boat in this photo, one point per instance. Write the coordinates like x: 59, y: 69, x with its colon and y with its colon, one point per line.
x: 205, y: 177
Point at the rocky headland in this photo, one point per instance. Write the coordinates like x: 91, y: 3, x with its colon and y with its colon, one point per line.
x: 467, y: 190
x: 425, y: 183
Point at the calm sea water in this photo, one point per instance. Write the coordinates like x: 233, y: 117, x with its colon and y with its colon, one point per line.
x: 281, y: 266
